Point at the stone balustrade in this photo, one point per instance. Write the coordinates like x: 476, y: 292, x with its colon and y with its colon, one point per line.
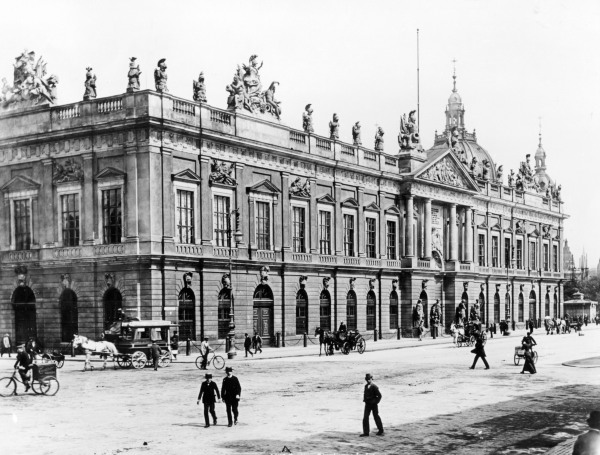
x: 109, y: 105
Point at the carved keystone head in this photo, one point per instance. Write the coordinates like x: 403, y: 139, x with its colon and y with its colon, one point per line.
x: 466, y: 286
x: 187, y: 279
x: 352, y: 280
x: 548, y: 289
x: 394, y: 284
x: 498, y: 287
x: 424, y: 284
x: 507, y: 287
x: 521, y: 287
x: 65, y: 280
x: 109, y: 279
x: 482, y: 287
x: 21, y: 272
x: 303, y: 279
x: 226, y: 281
x: 372, y: 283
x: 264, y: 274
x: 326, y: 281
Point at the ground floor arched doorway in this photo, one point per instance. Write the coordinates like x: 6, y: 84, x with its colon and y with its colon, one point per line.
x: 423, y: 299
x: 533, y: 307
x: 23, y: 300
x: 262, y: 312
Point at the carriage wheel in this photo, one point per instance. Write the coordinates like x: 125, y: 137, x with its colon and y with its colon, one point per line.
x: 49, y: 386
x: 517, y: 359
x: 138, y: 360
x: 124, y: 361
x: 164, y: 360
x: 218, y: 362
x: 8, y: 387
x: 361, y: 345
x: 346, y: 348
x: 535, y: 357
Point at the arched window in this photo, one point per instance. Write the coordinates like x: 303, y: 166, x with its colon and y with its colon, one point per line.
x: 68, y: 315
x: 224, y: 311
x: 547, y: 306
x: 393, y: 310
x: 187, y: 314
x: 521, y: 307
x: 423, y: 298
x: 533, y: 307
x: 351, y: 310
x: 23, y: 300
x: 325, y: 310
x: 507, y: 311
x: 482, y: 307
x: 496, y: 307
x: 113, y: 301
x: 263, y: 312
x: 371, y: 310
x: 301, y: 312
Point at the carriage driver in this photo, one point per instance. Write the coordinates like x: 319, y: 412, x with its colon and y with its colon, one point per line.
x: 342, y: 328
x: 23, y: 364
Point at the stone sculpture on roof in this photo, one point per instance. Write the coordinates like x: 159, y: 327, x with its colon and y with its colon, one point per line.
x: 30, y: 85
x: 334, y: 128
x: 379, y: 139
x: 307, y: 123
x: 500, y: 173
x: 199, y: 88
x: 525, y: 176
x: 408, y: 138
x: 90, y: 85
x: 485, y: 173
x: 160, y: 76
x: 356, y: 140
x: 299, y: 189
x: 246, y: 91
x: 133, y: 75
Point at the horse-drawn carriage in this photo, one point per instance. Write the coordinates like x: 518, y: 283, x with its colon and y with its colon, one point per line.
x: 344, y: 341
x: 129, y: 343
x: 467, y: 335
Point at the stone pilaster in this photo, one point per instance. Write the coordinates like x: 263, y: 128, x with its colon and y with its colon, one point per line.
x: 469, y: 235
x: 409, y: 249
x: 427, y: 233
x: 48, y: 230
x: 240, y: 203
x: 131, y: 195
x: 382, y: 229
x: 205, y: 196
x: 88, y: 214
x: 453, y: 234
x: 312, y: 219
x: 338, y: 220
x: 360, y: 223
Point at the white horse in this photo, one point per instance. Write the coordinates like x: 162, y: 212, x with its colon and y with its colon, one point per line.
x: 104, y: 348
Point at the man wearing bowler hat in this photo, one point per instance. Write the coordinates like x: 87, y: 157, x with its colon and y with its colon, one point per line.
x: 372, y: 397
x: 589, y: 443
x: 209, y: 394
x: 230, y: 392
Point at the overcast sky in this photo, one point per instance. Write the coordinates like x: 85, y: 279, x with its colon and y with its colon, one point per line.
x: 517, y: 61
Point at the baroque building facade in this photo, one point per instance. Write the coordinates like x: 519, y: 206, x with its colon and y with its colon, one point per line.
x: 165, y: 208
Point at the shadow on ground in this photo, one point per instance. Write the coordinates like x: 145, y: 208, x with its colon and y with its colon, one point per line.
x: 530, y: 424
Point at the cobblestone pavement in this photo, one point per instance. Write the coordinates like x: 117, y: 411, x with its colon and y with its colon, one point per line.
x: 432, y: 403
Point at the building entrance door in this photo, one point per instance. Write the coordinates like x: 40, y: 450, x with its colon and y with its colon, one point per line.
x: 263, y: 322
x: 25, y: 323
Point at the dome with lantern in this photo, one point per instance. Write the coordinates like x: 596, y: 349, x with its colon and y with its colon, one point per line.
x: 541, y: 176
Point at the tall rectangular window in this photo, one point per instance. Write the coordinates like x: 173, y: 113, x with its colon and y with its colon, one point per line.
x: 532, y: 255
x: 507, y: 253
x: 349, y: 235
x: 519, y: 254
x: 546, y: 257
x: 298, y: 229
x: 222, y: 220
x: 22, y: 224
x: 555, y: 258
x: 70, y: 219
x: 263, y: 226
x: 111, y: 216
x: 185, y: 216
x: 481, y: 255
x: 324, y: 232
x: 371, y: 237
x: 391, y: 240
x: 495, y: 261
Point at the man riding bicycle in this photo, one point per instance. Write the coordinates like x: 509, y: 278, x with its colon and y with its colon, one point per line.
x: 23, y: 364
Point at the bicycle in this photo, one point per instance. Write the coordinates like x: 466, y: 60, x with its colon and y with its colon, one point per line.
x: 43, y: 381
x: 217, y: 361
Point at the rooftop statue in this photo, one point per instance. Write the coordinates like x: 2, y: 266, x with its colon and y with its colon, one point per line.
x: 356, y: 140
x: 519, y: 184
x: 486, y: 169
x: 199, y: 89
x: 334, y: 128
x: 408, y: 138
x: 473, y: 166
x: 222, y: 173
x: 246, y: 91
x: 30, y: 85
x: 556, y: 193
x: 511, y: 179
x: 133, y: 75
x: 526, y: 174
x: 160, y: 76
x: 499, y: 173
x: 307, y: 123
x: 300, y: 190
x: 379, y: 139
x: 90, y: 85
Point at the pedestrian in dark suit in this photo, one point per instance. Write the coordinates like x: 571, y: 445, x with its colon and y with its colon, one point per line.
x: 257, y: 342
x: 230, y: 393
x: 248, y: 345
x: 479, y: 352
x: 155, y: 352
x: 371, y: 398
x: 209, y: 394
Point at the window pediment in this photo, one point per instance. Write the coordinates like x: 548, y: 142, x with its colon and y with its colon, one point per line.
x: 20, y: 184
x: 187, y: 175
x: 110, y: 173
x: 372, y: 207
x: 265, y: 187
x: 327, y: 199
x: 392, y: 210
x: 350, y: 202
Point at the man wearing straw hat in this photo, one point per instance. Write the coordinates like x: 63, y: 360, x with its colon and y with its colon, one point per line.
x: 209, y: 394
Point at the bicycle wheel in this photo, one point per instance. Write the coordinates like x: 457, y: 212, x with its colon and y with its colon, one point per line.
x: 535, y: 357
x: 8, y: 387
x: 361, y: 345
x: 218, y: 362
x: 199, y: 362
x: 49, y: 386
x: 517, y: 359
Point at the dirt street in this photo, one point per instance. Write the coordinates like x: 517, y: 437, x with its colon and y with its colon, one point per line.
x: 432, y: 403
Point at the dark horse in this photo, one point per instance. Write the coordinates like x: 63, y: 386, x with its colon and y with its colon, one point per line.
x: 325, y: 338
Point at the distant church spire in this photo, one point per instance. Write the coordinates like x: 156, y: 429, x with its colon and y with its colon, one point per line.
x: 455, y: 111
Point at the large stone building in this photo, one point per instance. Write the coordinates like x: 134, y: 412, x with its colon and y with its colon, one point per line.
x: 126, y: 202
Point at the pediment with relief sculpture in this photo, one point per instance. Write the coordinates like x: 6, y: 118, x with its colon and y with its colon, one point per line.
x: 447, y: 171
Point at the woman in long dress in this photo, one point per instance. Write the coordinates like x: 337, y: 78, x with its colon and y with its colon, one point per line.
x: 529, y: 366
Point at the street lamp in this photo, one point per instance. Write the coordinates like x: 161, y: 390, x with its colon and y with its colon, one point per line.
x: 238, y: 238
